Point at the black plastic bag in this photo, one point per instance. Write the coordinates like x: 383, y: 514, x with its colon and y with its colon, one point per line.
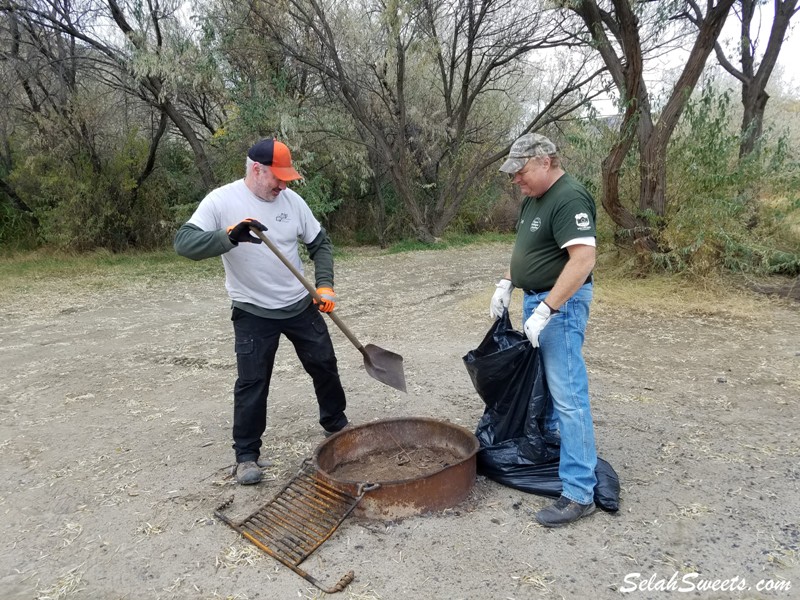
x: 507, y: 374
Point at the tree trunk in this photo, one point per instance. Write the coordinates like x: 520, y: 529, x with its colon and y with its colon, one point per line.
x: 628, y: 73
x: 632, y: 228
x: 653, y: 178
x: 151, y: 153
x: 653, y: 154
x: 754, y: 103
x: 200, y: 157
x: 754, y: 81
x: 17, y: 202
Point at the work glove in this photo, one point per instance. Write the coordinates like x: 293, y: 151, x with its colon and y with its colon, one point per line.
x: 536, y: 322
x: 501, y: 298
x: 241, y: 231
x: 328, y: 297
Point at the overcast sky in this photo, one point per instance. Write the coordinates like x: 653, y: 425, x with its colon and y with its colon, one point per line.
x: 786, y: 73
x: 790, y: 51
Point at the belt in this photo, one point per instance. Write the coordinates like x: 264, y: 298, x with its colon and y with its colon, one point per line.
x: 542, y: 291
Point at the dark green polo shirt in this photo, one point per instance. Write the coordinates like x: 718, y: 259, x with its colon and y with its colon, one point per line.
x: 566, y: 211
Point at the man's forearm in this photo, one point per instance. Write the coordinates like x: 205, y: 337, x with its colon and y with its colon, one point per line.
x: 573, y: 276
x: 192, y: 242
x: 321, y: 252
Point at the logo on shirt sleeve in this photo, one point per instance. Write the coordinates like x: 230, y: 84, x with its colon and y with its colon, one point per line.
x: 582, y: 222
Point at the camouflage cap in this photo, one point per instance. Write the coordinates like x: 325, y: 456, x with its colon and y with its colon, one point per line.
x: 527, y: 146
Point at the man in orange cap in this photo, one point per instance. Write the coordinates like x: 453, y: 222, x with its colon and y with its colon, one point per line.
x: 267, y: 299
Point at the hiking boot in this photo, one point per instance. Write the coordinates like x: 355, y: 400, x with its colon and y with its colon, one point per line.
x: 330, y: 433
x: 563, y: 511
x: 264, y: 463
x: 248, y: 473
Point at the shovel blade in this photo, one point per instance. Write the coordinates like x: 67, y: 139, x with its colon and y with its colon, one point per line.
x: 385, y: 366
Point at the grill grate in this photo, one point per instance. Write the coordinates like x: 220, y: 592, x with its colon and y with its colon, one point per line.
x: 298, y: 520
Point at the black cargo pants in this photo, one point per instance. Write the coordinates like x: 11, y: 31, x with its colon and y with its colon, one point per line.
x: 256, y: 341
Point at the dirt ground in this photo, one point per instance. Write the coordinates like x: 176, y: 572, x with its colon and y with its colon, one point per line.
x: 115, y: 416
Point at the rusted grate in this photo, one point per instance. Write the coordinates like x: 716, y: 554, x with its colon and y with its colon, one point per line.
x: 298, y: 520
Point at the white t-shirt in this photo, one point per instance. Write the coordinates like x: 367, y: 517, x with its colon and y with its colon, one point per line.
x: 253, y: 273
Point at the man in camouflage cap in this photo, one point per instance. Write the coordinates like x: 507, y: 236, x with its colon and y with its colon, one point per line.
x: 528, y: 146
x: 552, y: 262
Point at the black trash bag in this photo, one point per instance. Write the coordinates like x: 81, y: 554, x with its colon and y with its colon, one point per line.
x: 507, y: 374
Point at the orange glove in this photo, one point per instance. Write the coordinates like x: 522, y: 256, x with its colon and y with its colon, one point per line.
x: 328, y: 297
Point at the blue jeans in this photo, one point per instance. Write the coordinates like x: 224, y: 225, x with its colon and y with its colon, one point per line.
x: 561, y: 343
x: 256, y: 344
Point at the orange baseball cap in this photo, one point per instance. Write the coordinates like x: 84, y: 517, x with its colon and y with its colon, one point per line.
x: 276, y: 156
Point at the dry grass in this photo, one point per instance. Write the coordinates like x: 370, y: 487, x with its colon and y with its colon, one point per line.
x: 782, y: 554
x: 68, y: 533
x: 615, y: 286
x: 541, y: 582
x: 148, y: 529
x: 353, y: 591
x: 784, y: 205
x: 690, y: 511
x: 240, y: 555
x: 285, y: 452
x: 678, y: 296
x: 360, y: 592
x: 654, y: 295
x: 66, y: 586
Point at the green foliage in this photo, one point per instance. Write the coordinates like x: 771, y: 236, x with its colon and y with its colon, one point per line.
x: 17, y: 230
x: 17, y: 227
x: 317, y: 191
x: 81, y: 205
x: 174, y: 186
x: 450, y: 240
x: 719, y: 213
x: 772, y: 245
x: 585, y: 144
x: 76, y: 165
x: 485, y: 208
x: 100, y: 268
x: 370, y: 218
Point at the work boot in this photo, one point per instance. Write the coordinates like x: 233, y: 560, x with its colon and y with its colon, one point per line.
x: 330, y: 433
x: 248, y: 473
x: 563, y: 511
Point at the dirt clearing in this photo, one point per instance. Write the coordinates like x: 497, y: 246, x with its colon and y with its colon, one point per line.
x: 115, y: 416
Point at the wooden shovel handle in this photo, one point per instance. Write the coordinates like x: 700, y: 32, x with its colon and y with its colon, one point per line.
x: 311, y: 289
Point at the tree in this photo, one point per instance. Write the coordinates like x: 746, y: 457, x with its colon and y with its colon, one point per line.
x: 615, y: 30
x: 56, y: 74
x: 433, y: 87
x: 754, y: 75
x: 147, y: 55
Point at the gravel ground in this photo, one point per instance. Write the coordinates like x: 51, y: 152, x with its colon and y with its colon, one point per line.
x: 115, y: 416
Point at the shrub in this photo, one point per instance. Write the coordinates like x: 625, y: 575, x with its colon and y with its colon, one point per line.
x: 719, y: 215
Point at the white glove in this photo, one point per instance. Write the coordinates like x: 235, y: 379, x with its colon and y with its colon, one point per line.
x: 536, y: 322
x: 501, y: 298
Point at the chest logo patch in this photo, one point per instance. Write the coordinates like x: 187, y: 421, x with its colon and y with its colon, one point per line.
x: 536, y: 223
x: 582, y: 222
x: 282, y: 217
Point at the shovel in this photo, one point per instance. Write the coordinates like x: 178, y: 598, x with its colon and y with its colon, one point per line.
x: 383, y: 365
